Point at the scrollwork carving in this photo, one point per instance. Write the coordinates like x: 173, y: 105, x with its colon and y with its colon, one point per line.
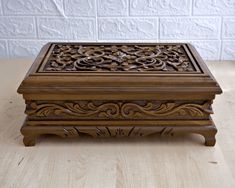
x: 118, y: 109
x: 72, y: 57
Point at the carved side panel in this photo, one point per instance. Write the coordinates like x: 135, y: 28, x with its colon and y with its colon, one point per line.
x: 32, y: 132
x: 118, y: 109
x: 114, y: 131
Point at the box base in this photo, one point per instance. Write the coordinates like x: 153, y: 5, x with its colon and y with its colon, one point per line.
x: 32, y: 129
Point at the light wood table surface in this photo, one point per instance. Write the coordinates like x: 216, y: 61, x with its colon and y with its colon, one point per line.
x: 174, y: 162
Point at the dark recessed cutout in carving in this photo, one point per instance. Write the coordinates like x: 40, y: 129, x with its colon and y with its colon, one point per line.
x: 118, y: 58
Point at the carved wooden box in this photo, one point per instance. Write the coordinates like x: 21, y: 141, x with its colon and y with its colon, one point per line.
x: 117, y: 90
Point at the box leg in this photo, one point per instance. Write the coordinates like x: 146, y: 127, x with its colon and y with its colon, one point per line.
x: 208, y: 132
x: 29, y: 135
x: 209, y: 136
x: 29, y: 140
x: 210, y: 141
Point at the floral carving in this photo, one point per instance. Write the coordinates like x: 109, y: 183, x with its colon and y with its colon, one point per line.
x: 72, y: 57
x: 118, y: 109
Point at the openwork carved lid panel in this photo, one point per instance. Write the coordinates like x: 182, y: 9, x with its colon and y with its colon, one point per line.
x: 167, y: 58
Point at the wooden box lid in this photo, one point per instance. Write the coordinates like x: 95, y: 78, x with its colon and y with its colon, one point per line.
x: 118, y: 67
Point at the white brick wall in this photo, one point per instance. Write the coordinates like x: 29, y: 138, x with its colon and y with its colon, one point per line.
x: 159, y: 8
x: 0, y: 8
x: 80, y: 8
x: 25, y: 25
x: 66, y: 28
x: 197, y: 28
x: 128, y: 28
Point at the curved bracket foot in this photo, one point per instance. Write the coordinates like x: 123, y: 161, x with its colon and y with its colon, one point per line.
x: 209, y: 136
x: 29, y: 140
